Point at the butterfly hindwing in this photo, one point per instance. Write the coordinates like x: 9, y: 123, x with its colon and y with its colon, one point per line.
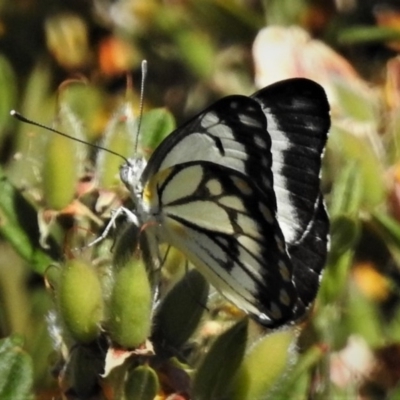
x: 227, y: 227
x: 298, y: 121
x: 308, y: 259
x: 297, y: 113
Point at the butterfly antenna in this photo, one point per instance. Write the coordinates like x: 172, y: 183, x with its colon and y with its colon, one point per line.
x: 21, y: 118
x: 141, y: 101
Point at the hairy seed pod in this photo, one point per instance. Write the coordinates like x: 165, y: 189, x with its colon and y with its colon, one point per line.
x: 130, y: 306
x: 80, y: 300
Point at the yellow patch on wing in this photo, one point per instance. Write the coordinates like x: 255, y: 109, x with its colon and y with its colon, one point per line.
x: 242, y: 185
x: 233, y: 202
x: 284, y: 298
x: 203, y: 213
x: 284, y: 271
x: 150, y: 190
x: 248, y: 225
x: 214, y: 186
x: 184, y: 183
x: 266, y: 212
x: 250, y: 244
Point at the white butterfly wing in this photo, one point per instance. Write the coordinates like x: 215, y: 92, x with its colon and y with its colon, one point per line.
x: 226, y: 226
x: 235, y: 133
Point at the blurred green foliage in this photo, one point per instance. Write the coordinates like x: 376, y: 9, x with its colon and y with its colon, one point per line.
x: 65, y: 63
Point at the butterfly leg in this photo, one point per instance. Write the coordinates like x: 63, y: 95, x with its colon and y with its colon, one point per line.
x: 119, y: 211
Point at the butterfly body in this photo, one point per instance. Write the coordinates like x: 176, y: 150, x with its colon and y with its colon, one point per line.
x: 213, y: 188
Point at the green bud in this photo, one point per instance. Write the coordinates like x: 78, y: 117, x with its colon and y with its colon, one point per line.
x: 130, y: 306
x: 80, y: 300
x: 52, y: 276
x: 141, y: 384
x: 125, y: 245
x: 60, y: 172
x: 264, y: 365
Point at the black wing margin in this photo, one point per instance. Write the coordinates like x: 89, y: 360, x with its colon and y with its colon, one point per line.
x: 297, y: 112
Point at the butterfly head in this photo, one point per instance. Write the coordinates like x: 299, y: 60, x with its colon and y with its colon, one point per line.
x: 131, y: 172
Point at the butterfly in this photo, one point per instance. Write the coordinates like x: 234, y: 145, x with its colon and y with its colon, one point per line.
x: 237, y: 190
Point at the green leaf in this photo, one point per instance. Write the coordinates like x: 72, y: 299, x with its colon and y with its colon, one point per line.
x: 181, y: 310
x: 30, y: 141
x: 119, y: 137
x: 16, y: 371
x: 345, y: 232
x: 367, y: 34
x: 8, y: 93
x: 393, y: 133
x: 362, y: 318
x: 82, y: 370
x: 347, y: 192
x: 196, y: 49
x: 216, y: 373
x: 85, y: 102
x: 20, y: 227
x: 354, y: 103
x: 389, y: 225
x: 156, y: 125
x: 367, y: 170
x: 335, y: 276
x: 285, y: 12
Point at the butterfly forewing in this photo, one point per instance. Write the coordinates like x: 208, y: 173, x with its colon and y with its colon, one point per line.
x: 227, y: 227
x: 232, y: 133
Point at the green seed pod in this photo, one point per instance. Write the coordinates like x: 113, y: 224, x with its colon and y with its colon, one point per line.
x: 52, y: 276
x: 264, y: 365
x: 130, y: 306
x: 141, y: 384
x: 64, y: 160
x: 60, y: 172
x: 80, y: 300
x: 215, y: 375
x: 182, y: 309
x: 125, y: 245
